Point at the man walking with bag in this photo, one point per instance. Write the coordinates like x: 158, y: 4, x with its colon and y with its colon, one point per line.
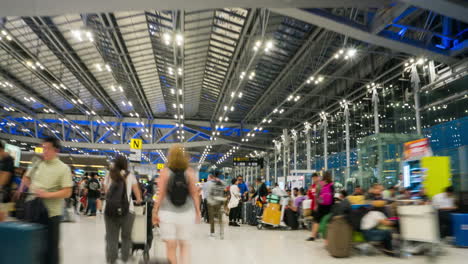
x: 51, y: 181
x: 215, y: 202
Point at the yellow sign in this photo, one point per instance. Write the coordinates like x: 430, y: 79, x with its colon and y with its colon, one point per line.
x: 136, y: 143
x: 160, y: 166
x: 38, y: 150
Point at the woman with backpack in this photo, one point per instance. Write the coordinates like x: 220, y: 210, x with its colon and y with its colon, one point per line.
x: 325, y: 201
x: 178, y: 205
x: 118, y: 214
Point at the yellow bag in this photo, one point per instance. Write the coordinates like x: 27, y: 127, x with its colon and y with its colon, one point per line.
x: 272, y: 214
x: 356, y: 199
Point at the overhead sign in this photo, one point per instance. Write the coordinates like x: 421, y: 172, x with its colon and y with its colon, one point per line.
x: 417, y: 149
x: 39, y: 150
x: 136, y: 145
x: 246, y: 161
x: 160, y: 166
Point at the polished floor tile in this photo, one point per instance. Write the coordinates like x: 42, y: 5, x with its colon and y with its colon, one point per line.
x: 83, y: 242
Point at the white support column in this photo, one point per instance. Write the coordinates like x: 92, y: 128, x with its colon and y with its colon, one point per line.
x: 276, y: 162
x: 307, y: 133
x: 375, y: 102
x: 294, y: 137
x: 344, y: 104
x: 92, y: 130
x: 64, y: 136
x: 267, y: 169
x: 323, y: 115
x: 285, y: 153
x: 415, y: 81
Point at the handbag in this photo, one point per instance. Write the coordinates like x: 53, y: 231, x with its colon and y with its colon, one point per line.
x: 36, y: 212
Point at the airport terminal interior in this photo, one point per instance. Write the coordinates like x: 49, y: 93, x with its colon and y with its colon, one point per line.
x: 315, y: 131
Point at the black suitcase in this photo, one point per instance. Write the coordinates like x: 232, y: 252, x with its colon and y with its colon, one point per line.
x: 254, y: 213
x: 244, y: 214
x: 290, y: 218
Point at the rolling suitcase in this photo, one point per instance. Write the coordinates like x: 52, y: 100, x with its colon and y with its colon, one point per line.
x: 244, y: 212
x: 21, y: 243
x: 339, y: 236
x: 460, y: 229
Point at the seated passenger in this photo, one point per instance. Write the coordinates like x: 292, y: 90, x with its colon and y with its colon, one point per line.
x: 373, y: 227
x: 375, y: 192
x: 358, y: 190
x: 297, y: 205
x: 389, y: 194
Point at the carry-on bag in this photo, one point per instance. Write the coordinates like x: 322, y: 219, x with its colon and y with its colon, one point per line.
x: 21, y: 243
x: 339, y: 236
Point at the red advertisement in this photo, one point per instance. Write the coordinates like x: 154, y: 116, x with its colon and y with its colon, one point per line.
x: 416, y: 149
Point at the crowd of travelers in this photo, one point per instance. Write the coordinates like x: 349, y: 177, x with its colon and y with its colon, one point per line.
x: 180, y: 202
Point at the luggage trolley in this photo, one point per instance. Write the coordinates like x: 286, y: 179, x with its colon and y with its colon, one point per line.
x: 419, y: 223
x: 273, y: 212
x: 142, y: 232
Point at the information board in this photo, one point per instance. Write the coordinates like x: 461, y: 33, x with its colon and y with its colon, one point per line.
x: 246, y: 161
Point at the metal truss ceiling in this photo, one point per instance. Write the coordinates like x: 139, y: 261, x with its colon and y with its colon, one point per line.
x: 103, y: 78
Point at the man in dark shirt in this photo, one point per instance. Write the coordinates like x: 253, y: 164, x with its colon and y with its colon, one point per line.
x: 94, y: 191
x: 7, y: 170
x: 262, y: 191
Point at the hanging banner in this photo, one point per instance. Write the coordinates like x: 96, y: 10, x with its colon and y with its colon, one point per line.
x: 135, y: 150
x: 417, y: 149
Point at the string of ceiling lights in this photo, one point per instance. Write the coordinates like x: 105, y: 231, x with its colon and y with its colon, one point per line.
x: 294, y: 97
x: 46, y: 109
x: 266, y: 46
x: 244, y: 77
x: 371, y: 88
x: 36, y: 67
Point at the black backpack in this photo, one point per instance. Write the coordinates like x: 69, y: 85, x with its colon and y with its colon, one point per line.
x: 117, y: 203
x: 217, y: 193
x: 178, y: 189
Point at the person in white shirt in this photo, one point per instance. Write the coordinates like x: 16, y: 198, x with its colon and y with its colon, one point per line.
x: 205, y: 188
x: 445, y: 200
x: 369, y: 226
x: 445, y: 203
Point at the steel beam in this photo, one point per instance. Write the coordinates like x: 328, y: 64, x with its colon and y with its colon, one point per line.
x: 386, y: 16
x: 234, y: 66
x: 348, y: 28
x: 54, y: 7
x: 48, y: 32
x: 111, y: 119
x: 187, y: 145
x: 298, y: 59
x: 451, y: 8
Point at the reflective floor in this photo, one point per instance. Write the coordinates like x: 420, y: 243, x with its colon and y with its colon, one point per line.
x: 83, y: 242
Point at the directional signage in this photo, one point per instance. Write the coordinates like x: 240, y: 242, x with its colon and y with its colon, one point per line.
x: 38, y: 150
x: 135, y: 149
x: 246, y: 161
x: 136, y: 143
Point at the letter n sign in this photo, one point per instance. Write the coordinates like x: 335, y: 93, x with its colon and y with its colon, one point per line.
x: 136, y: 143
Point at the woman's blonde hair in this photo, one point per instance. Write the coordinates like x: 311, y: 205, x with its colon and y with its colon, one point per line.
x: 177, y: 158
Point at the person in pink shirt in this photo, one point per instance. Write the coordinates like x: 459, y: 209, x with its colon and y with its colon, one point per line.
x: 313, y: 193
